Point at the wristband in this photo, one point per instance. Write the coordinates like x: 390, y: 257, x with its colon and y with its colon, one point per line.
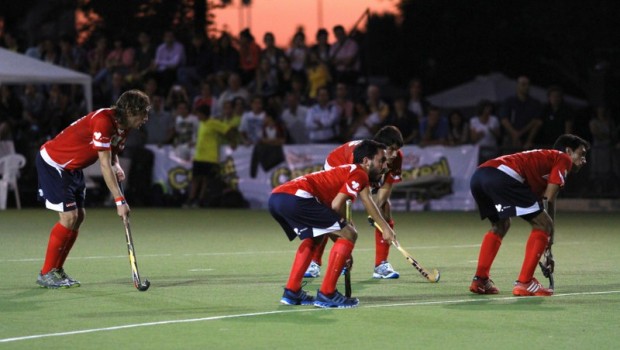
x: 120, y: 201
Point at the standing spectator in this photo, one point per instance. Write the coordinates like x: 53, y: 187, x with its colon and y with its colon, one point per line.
x: 459, y: 129
x: 234, y: 89
x: 485, y: 131
x: 271, y: 52
x: 160, y: 131
x: 186, y: 131
x: 317, y: 74
x: 344, y: 56
x: 312, y: 207
x: 249, y: 56
x: 556, y: 117
x: 205, y: 164
x: 197, y: 65
x: 297, y: 53
x: 405, y: 120
x: 416, y: 103
x: 519, y: 185
x: 294, y: 119
x: 519, y: 116
x: 321, y: 48
x: 434, y: 128
x: 252, y: 122
x: 98, y: 136
x: 323, y: 120
x: 225, y: 56
x: 169, y: 56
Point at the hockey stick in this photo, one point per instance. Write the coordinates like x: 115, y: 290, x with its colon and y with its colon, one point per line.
x: 347, y: 272
x: 432, y: 277
x: 141, y: 286
x: 549, y: 263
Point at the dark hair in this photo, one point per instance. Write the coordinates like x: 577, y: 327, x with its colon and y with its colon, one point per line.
x: 204, y: 110
x: 131, y: 102
x: 366, y: 149
x: 482, y: 105
x: 571, y: 141
x: 389, y: 135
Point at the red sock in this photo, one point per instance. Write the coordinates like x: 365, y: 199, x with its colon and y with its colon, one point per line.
x: 300, y: 264
x: 317, y: 257
x: 59, y: 236
x: 382, y: 248
x: 488, y: 250
x: 338, y: 256
x: 67, y: 248
x: 534, y: 249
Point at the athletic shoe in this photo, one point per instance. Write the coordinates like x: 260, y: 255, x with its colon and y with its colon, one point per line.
x: 532, y: 288
x: 313, y: 271
x: 483, y: 286
x: 296, y: 298
x: 52, y: 280
x: 385, y: 270
x: 336, y: 300
x: 72, y: 281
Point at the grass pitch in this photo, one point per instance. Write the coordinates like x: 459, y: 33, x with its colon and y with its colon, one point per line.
x: 217, y: 277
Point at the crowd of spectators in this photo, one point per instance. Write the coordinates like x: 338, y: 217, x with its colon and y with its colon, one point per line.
x: 296, y: 95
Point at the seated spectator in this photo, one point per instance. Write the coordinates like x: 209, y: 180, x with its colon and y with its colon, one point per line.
x: 416, y: 103
x: 271, y: 52
x: 11, y: 110
x: 297, y: 53
x: 186, y: 130
x: 605, y: 151
x: 268, y: 150
x: 294, y: 119
x: 233, y: 90
x: 265, y: 81
x: 485, y: 131
x: 197, y: 65
x: 169, y: 56
x: 375, y: 102
x: 225, y: 57
x: 144, y: 60
x: 317, y: 74
x: 249, y: 56
x: 459, y: 129
x: 346, y: 107
x: 96, y: 57
x: 557, y: 118
x: 323, y: 119
x: 205, y: 98
x: 434, y: 128
x: 344, y: 56
x: 71, y: 56
x: 160, y: 129
x: 365, y: 123
x: 405, y: 120
x: 321, y: 48
x: 177, y: 94
x: 252, y: 122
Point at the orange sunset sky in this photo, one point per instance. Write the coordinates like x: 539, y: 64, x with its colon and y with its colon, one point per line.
x: 283, y: 17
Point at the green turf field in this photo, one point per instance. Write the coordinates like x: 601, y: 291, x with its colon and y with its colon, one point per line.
x: 217, y: 277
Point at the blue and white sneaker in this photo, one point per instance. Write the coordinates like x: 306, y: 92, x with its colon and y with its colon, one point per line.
x: 385, y: 270
x: 296, y: 298
x: 335, y: 300
x: 313, y: 271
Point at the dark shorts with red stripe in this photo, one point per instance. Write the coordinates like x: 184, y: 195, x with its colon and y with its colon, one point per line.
x: 500, y: 196
x: 60, y: 190
x: 303, y: 217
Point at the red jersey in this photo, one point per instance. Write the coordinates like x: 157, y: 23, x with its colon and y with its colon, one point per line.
x: 349, y: 179
x: 77, y: 146
x: 343, y: 154
x: 536, y: 168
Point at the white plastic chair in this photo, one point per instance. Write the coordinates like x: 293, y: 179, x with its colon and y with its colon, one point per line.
x: 10, y: 166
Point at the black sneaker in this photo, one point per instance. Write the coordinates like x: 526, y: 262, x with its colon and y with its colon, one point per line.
x: 335, y: 300
x: 72, y: 282
x: 52, y: 280
x: 296, y: 298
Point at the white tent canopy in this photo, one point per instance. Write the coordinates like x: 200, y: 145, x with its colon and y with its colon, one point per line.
x: 20, y: 69
x: 495, y: 87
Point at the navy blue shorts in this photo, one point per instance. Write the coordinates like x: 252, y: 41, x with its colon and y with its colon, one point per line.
x: 60, y: 190
x: 303, y: 217
x: 207, y: 169
x: 500, y: 196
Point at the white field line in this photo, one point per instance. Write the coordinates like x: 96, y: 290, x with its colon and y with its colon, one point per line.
x: 410, y: 249
x: 294, y: 309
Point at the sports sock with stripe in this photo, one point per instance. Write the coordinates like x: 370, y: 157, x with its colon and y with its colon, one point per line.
x: 59, y: 236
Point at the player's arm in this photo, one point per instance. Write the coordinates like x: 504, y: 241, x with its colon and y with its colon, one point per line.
x: 375, y: 214
x: 338, y: 204
x: 109, y: 172
x: 550, y: 197
x: 381, y: 199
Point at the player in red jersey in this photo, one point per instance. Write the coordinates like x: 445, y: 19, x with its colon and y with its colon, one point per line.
x: 100, y: 135
x: 519, y: 185
x: 392, y: 138
x: 312, y: 206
